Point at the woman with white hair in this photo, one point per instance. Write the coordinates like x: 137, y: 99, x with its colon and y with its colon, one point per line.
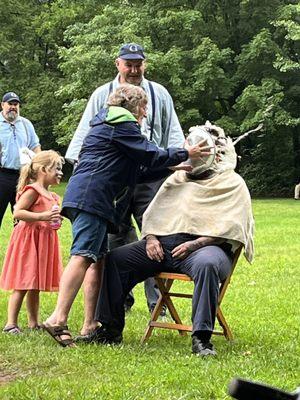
x: 109, y: 163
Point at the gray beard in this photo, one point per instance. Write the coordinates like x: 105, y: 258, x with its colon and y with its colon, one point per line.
x: 11, y: 116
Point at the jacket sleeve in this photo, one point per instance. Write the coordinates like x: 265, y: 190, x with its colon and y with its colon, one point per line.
x: 128, y: 139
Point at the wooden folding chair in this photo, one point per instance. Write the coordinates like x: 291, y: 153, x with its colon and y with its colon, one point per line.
x: 164, y: 281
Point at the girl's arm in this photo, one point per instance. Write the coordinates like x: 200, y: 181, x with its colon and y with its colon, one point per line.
x: 21, y: 209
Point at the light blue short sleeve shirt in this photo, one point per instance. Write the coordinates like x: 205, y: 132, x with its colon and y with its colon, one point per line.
x: 14, y: 136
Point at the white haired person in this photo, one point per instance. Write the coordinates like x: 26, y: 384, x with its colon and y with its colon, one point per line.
x: 107, y: 171
x: 193, y: 226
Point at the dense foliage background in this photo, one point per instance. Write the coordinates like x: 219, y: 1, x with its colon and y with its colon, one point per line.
x: 234, y: 62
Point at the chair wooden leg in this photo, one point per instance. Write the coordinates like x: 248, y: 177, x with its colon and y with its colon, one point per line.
x: 164, y: 287
x: 155, y: 313
x: 224, y: 325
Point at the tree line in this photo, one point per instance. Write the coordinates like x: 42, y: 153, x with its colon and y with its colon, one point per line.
x: 233, y: 62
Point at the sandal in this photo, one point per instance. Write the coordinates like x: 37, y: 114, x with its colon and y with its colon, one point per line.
x: 57, y: 332
x: 12, y: 329
x: 37, y: 327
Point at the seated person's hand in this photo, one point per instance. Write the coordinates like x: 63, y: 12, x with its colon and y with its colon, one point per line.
x: 154, y: 249
x: 184, y: 249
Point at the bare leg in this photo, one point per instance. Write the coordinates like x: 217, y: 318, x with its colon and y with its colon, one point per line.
x: 33, y: 302
x: 14, y: 305
x: 70, y: 284
x: 92, y: 283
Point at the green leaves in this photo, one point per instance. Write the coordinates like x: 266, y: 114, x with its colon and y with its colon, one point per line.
x: 232, y: 62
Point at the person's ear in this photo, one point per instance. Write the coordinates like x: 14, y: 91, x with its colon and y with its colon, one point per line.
x: 117, y: 62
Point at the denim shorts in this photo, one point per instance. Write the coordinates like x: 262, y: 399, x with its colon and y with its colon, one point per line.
x: 89, y: 234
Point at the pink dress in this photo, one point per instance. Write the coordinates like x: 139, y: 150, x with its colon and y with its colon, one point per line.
x: 33, y: 259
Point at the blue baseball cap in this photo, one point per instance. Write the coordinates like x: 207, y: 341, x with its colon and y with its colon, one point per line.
x: 10, y: 96
x: 132, y: 51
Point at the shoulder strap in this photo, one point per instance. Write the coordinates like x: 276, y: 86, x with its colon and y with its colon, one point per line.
x: 153, y: 109
x: 110, y: 88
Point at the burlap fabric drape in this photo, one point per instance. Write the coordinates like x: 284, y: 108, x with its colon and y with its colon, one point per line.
x: 217, y: 207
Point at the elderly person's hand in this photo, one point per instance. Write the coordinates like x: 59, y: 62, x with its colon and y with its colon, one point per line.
x: 186, y: 248
x: 199, y: 150
x: 154, y: 248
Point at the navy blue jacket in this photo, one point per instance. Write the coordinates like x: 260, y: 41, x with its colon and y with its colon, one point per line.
x: 109, y: 163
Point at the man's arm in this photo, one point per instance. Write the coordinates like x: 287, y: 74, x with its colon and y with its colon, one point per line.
x: 96, y: 102
x: 37, y: 149
x: 172, y: 131
x: 186, y: 248
x: 33, y: 140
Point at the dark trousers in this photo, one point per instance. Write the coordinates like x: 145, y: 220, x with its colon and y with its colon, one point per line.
x: 142, y: 197
x: 8, y: 183
x: 128, y: 265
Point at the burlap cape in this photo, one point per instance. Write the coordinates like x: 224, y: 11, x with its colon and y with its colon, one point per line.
x: 218, y: 207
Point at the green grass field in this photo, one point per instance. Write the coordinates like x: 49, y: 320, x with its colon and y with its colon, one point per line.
x: 261, y: 306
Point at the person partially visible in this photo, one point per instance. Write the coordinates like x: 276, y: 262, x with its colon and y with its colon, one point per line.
x: 161, y: 126
x: 33, y: 261
x: 194, y: 225
x: 297, y: 191
x: 109, y: 164
x: 16, y: 132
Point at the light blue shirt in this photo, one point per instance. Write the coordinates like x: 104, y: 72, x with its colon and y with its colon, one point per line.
x: 167, y: 131
x: 14, y: 136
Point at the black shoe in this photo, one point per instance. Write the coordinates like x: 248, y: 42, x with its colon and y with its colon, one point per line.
x: 127, y: 308
x: 129, y: 301
x: 202, y: 348
x: 100, y: 335
x: 163, y: 312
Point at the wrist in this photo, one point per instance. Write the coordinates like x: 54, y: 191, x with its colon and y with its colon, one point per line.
x: 198, y: 243
x: 150, y: 237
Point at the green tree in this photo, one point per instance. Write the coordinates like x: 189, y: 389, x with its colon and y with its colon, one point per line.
x: 234, y: 62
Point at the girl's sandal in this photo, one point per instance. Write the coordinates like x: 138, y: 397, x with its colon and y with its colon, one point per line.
x: 38, y: 327
x: 12, y: 329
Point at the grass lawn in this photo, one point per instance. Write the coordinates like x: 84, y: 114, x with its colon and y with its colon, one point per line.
x: 261, y: 306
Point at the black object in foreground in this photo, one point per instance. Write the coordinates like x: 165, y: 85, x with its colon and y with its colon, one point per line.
x: 246, y: 390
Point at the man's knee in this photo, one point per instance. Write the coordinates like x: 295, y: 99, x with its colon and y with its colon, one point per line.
x: 206, y: 269
x: 212, y: 263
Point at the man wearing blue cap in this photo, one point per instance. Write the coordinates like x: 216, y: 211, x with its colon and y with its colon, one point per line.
x: 16, y: 132
x: 160, y: 126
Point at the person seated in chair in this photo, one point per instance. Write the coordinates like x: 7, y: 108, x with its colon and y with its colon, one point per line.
x: 194, y: 225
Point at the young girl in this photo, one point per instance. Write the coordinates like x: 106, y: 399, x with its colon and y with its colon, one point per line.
x: 33, y: 260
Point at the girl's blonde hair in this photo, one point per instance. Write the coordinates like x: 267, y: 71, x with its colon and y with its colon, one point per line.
x: 45, y: 159
x: 130, y: 97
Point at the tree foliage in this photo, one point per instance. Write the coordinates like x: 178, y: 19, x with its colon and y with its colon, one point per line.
x: 233, y: 62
